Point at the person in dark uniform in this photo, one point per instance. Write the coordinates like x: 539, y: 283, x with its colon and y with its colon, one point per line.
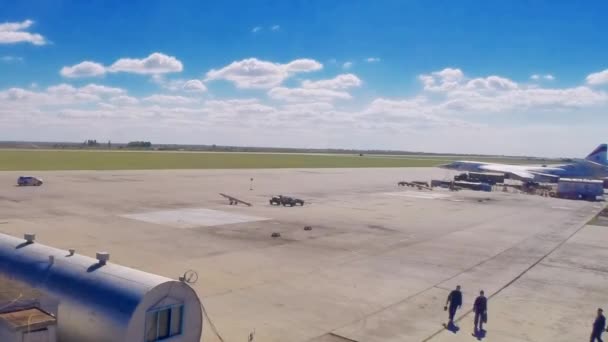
x: 455, y: 302
x: 481, y: 310
x: 598, y: 326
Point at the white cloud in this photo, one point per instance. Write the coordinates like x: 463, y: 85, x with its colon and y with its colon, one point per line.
x: 498, y: 94
x: 169, y: 99
x: 194, y: 86
x: 491, y: 83
x: 225, y: 108
x: 253, y: 73
x: 124, y: 100
x: 307, y: 94
x: 11, y: 59
x: 537, y: 77
x: 14, y: 32
x: 372, y: 59
x: 303, y: 65
x: 101, y: 90
x: 156, y: 63
x: 598, y: 78
x: 83, y: 69
x: 347, y: 65
x: 58, y: 95
x: 256, y: 29
x: 343, y: 81
x: 443, y: 80
x: 310, y: 108
x: 414, y: 113
x: 275, y: 28
x: 451, y: 105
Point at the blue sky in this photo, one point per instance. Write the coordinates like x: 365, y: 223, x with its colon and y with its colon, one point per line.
x: 511, y: 77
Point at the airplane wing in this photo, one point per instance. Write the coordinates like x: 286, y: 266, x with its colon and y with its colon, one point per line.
x: 519, y: 172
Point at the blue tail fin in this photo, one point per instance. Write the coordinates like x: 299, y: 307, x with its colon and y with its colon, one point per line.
x: 598, y: 155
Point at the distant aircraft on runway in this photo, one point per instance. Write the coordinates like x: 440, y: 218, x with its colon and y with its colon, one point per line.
x: 594, y: 166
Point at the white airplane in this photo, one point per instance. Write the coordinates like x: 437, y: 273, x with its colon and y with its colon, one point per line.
x: 595, y: 166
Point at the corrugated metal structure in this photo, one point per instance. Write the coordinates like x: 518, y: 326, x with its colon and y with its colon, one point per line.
x: 103, y: 302
x: 585, y: 189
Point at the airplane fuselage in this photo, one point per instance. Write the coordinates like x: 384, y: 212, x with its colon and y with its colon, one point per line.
x: 578, y: 169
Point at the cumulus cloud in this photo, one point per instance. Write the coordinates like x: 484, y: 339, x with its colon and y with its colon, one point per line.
x: 236, y: 107
x: 500, y: 94
x: 83, y: 69
x: 310, y: 107
x: 169, y: 99
x: 316, y: 109
x: 598, y: 78
x: 443, y: 80
x: 195, y: 86
x: 124, y: 100
x: 303, y: 65
x: 156, y: 63
x: 101, y: 89
x: 347, y: 65
x: 275, y: 27
x: 256, y: 29
x: 253, y: 73
x: 372, y: 60
x: 60, y: 94
x: 343, y: 81
x: 14, y: 32
x: 538, y: 77
x: 491, y: 83
x: 307, y: 94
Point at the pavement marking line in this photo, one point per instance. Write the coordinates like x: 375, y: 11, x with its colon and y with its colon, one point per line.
x: 466, y: 313
x: 438, y: 285
x: 408, y: 297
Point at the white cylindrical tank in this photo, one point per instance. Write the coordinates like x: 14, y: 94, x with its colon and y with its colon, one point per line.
x: 104, y: 302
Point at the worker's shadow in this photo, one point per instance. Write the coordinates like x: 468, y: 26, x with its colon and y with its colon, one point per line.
x: 480, y: 334
x: 452, y: 327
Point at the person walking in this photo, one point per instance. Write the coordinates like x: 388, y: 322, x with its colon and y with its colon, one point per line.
x: 455, y: 302
x: 598, y: 326
x: 480, y: 308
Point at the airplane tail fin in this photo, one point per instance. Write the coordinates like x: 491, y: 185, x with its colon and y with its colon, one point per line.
x: 599, y: 155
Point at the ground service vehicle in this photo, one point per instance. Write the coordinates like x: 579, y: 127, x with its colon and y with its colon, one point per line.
x: 286, y: 201
x: 29, y: 180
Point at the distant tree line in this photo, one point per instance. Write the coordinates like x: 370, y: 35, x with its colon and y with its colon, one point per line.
x: 139, y: 144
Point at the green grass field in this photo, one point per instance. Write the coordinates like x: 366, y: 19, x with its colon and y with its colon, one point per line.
x: 32, y: 160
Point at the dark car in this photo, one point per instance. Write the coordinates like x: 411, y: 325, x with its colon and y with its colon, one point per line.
x: 29, y: 180
x: 286, y: 201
